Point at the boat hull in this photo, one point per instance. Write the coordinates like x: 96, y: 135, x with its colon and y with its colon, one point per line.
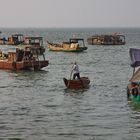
x: 77, y: 84
x: 23, y: 65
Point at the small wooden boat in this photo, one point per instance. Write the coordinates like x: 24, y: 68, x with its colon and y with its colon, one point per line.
x: 74, y: 45
x: 113, y: 39
x: 77, y: 84
x: 23, y: 59
x: 133, y: 87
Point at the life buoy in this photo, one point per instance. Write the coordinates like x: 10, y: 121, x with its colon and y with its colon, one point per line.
x: 135, y: 92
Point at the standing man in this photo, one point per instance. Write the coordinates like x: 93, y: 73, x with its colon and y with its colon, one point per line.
x: 75, y: 70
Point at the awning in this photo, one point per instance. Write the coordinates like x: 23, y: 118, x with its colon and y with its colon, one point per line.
x: 135, y: 57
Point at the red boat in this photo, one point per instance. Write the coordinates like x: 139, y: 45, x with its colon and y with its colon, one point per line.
x: 77, y: 84
x: 23, y: 59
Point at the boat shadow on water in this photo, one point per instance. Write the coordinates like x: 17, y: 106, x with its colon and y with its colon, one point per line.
x: 75, y: 92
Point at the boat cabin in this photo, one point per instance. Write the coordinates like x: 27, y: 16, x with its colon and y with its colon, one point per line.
x: 36, y: 42
x: 78, y: 41
x: 17, y: 38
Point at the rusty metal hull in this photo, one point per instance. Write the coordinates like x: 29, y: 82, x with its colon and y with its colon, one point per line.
x: 23, y: 65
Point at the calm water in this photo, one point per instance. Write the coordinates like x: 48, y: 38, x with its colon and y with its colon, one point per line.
x: 37, y: 106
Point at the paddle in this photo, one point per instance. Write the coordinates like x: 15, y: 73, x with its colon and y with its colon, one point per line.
x: 69, y: 79
x: 82, y: 83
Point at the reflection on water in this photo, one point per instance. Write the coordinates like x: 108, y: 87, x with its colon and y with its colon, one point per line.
x: 134, y: 119
x: 134, y: 105
x: 75, y: 91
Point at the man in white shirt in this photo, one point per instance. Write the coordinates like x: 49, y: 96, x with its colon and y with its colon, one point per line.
x: 75, y: 70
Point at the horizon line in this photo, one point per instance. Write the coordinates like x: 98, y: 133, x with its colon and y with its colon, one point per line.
x: 71, y: 27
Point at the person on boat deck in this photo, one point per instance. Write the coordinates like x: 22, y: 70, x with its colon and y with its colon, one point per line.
x: 75, y: 71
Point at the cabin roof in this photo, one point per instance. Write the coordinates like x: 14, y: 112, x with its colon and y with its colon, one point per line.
x: 135, y: 57
x: 17, y: 34
x: 34, y: 38
x: 75, y: 40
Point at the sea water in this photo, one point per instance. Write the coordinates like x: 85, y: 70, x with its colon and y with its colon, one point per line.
x: 35, y: 105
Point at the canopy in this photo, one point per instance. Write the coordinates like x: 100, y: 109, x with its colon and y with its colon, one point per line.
x: 135, y: 57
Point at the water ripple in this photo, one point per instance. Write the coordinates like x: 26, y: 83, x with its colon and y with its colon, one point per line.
x: 37, y: 105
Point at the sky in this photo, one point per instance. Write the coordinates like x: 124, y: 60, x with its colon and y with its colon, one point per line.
x: 69, y: 13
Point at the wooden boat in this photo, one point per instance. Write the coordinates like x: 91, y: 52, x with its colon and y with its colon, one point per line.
x: 113, y: 39
x: 133, y: 87
x: 74, y: 45
x: 77, y: 84
x: 15, y: 39
x: 23, y: 59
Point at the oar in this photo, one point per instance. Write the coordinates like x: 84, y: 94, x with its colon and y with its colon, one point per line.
x: 82, y: 83
x: 69, y: 79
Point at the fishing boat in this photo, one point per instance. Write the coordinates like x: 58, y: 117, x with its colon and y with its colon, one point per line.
x: 23, y: 59
x: 74, y: 45
x: 133, y: 87
x: 83, y: 83
x: 14, y: 39
x: 112, y: 39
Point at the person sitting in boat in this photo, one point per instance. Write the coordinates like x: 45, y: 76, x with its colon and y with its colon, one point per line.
x: 75, y: 71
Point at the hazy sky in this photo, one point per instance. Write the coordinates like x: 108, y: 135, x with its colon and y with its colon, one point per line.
x: 69, y: 13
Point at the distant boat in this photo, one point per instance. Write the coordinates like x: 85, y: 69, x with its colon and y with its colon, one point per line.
x: 74, y: 45
x: 15, y: 39
x: 77, y: 84
x: 113, y: 39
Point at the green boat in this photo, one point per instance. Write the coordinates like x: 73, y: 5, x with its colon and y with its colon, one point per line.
x: 74, y: 45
